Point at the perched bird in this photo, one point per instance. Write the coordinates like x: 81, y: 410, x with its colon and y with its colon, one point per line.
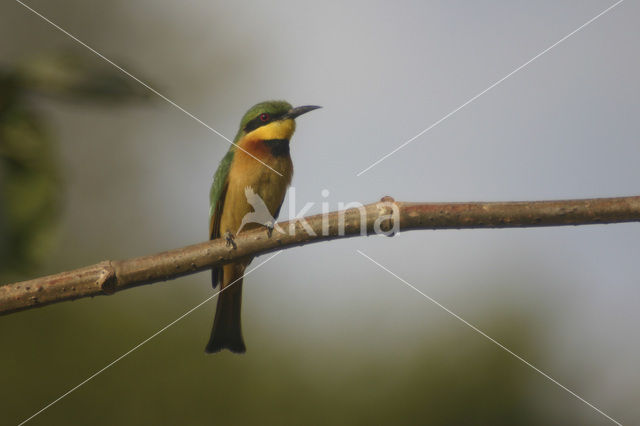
x: 264, y: 134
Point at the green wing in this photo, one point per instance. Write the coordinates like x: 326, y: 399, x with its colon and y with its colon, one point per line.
x: 216, y: 198
x: 218, y: 192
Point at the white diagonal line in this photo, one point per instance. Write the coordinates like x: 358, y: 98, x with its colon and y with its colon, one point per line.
x: 145, y: 85
x: 94, y: 375
x: 500, y: 345
x: 490, y: 87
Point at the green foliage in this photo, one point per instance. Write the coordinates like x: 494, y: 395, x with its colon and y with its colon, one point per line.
x: 449, y: 377
x: 31, y: 185
x: 79, y: 78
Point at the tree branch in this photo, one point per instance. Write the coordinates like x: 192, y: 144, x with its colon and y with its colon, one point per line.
x: 110, y: 276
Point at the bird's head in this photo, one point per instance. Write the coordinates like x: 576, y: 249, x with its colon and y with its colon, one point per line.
x: 271, y: 120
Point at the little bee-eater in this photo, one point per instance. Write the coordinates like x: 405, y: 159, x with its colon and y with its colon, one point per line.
x: 262, y: 140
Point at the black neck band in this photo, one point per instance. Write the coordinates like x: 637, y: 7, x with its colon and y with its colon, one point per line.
x: 278, y: 147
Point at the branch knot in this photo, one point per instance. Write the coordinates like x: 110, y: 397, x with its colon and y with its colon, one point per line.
x: 107, y: 277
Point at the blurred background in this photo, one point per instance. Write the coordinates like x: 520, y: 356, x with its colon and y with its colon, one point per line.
x: 94, y: 167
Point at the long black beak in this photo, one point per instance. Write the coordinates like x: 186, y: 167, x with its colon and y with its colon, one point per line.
x: 297, y: 111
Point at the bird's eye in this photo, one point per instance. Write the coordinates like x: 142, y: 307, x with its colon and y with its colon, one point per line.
x: 264, y: 117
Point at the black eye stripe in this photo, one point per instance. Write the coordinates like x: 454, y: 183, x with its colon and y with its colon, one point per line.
x: 257, y: 122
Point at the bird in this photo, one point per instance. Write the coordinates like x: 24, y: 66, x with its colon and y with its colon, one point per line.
x: 259, y: 150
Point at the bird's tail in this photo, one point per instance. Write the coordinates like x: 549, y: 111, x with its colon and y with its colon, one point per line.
x: 227, y: 330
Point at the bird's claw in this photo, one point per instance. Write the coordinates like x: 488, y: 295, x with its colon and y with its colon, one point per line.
x: 228, y: 236
x: 269, y: 226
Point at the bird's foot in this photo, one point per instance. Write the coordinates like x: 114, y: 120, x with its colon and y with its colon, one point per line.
x: 228, y: 236
x: 269, y: 225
